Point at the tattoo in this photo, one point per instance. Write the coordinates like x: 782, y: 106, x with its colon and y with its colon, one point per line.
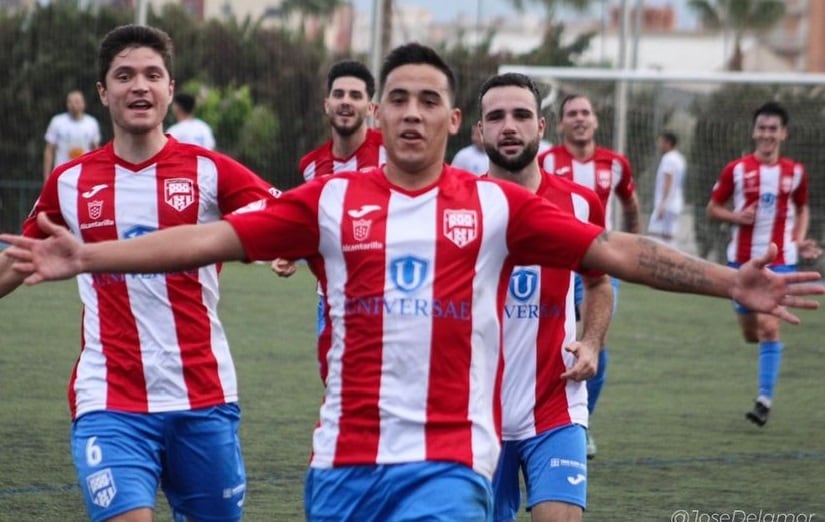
x: 631, y: 221
x: 670, y: 271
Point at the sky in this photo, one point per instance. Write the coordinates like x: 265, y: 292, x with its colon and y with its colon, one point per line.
x: 446, y: 10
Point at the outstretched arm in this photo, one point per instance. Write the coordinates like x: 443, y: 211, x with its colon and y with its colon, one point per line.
x: 62, y: 255
x: 640, y: 260
x: 10, y: 279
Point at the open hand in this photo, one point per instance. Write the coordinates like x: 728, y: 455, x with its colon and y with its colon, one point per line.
x: 55, y: 257
x: 761, y: 290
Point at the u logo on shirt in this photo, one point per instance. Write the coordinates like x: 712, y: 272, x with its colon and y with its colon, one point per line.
x: 523, y: 284
x: 408, y: 273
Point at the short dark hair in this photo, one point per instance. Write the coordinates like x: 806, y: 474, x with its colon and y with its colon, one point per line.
x: 185, y: 101
x: 567, y: 99
x: 413, y: 54
x: 352, y: 68
x: 511, y: 80
x: 669, y: 137
x: 772, y: 108
x: 133, y: 35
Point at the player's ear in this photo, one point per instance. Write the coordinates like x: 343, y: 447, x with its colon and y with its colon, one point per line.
x: 102, y: 94
x: 455, y: 121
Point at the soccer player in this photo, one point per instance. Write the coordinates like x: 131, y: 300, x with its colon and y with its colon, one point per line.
x: 70, y: 134
x: 668, y: 195
x: 769, y: 196
x: 353, y: 145
x: 415, y: 259
x: 153, y: 395
x: 544, y: 395
x: 349, y: 107
x: 606, y: 172
x: 188, y: 128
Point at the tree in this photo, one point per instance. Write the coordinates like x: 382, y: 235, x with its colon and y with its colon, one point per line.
x: 738, y: 17
x: 550, y: 6
x: 322, y: 10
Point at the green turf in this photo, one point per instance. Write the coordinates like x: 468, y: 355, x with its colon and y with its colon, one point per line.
x: 670, y: 424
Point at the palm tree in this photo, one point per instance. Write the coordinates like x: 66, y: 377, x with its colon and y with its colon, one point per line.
x: 738, y: 17
x: 320, y: 9
x: 550, y: 6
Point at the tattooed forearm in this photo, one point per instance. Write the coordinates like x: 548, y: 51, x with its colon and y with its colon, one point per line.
x: 631, y: 221
x: 669, y: 272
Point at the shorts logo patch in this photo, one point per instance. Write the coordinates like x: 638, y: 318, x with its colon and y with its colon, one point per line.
x: 102, y: 489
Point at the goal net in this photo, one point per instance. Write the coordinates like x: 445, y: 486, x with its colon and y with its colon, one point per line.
x: 711, y: 113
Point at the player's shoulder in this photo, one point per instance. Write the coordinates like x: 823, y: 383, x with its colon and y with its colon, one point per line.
x: 88, y: 119
x: 603, y: 153
x: 748, y: 162
x: 101, y: 157
x: 790, y: 163
x: 176, y: 150
x: 61, y: 118
x: 374, y: 137
x: 553, y: 150
x: 564, y: 184
x: 464, y: 178
x: 322, y: 151
x: 364, y: 175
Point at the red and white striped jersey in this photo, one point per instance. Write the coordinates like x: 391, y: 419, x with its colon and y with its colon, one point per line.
x: 778, y: 190
x: 150, y: 342
x: 605, y: 173
x: 321, y: 162
x: 415, y: 283
x: 539, y: 322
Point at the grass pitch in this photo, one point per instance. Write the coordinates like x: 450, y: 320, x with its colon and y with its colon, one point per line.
x: 673, y: 442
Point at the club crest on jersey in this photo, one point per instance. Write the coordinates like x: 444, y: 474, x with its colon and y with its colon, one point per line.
x: 523, y: 284
x: 603, y: 178
x: 95, y: 209
x: 751, y: 181
x: 102, y: 489
x: 785, y: 184
x: 361, y: 229
x: 178, y: 193
x: 460, y: 226
x: 408, y: 273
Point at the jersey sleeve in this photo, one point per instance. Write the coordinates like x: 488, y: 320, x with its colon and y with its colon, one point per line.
x: 46, y: 202
x: 51, y: 131
x: 800, y: 195
x: 208, y: 136
x: 304, y: 164
x: 626, y: 187
x: 723, y: 188
x: 286, y: 227
x: 238, y: 186
x: 670, y: 164
x: 540, y: 233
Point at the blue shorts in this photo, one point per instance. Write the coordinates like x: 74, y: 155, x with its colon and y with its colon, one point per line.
x: 195, y: 456
x: 320, y: 316
x: 779, y: 269
x: 578, y: 294
x: 554, y: 464
x: 432, y: 491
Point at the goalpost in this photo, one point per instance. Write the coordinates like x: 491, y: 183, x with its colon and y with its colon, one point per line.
x: 711, y: 114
